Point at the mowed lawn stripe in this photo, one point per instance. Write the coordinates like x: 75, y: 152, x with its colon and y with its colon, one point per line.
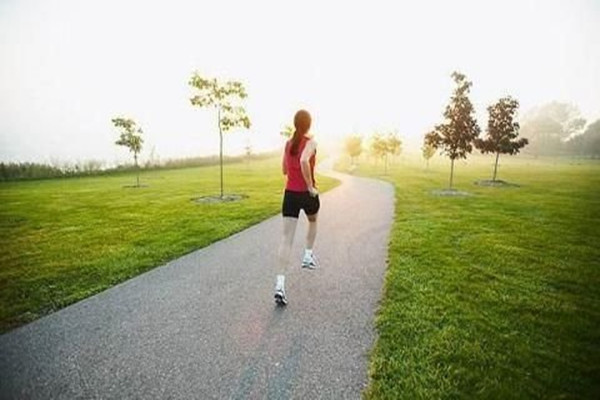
x: 491, y: 296
x: 66, y: 239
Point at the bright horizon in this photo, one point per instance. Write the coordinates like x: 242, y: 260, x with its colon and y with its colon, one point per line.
x: 68, y: 67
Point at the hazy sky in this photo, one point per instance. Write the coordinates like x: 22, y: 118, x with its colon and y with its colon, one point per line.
x: 67, y: 67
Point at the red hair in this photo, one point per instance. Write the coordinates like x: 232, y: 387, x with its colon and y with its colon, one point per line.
x: 302, y: 122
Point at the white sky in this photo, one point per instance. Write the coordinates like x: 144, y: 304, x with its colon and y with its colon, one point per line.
x: 67, y: 67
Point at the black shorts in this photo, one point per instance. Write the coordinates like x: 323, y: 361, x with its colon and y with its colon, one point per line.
x: 293, y: 202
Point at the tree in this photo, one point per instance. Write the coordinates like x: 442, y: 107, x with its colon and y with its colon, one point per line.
x: 383, y: 146
x: 394, y: 144
x: 502, y: 131
x: 248, y: 151
x: 353, y: 147
x: 428, y: 151
x: 378, y: 147
x: 455, y: 136
x: 131, y: 137
x: 587, y: 143
x: 550, y: 126
x: 225, y: 98
x: 287, y: 131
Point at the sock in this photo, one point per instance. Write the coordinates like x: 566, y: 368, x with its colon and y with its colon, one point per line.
x: 308, y: 252
x: 280, y: 284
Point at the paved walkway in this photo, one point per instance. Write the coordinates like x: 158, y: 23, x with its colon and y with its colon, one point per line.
x: 205, y: 326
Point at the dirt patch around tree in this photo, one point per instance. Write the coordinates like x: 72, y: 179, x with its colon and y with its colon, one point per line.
x: 227, y: 198
x: 496, y: 183
x: 450, y: 193
x: 134, y: 186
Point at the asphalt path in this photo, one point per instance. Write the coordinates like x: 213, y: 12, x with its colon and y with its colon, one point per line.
x: 205, y: 326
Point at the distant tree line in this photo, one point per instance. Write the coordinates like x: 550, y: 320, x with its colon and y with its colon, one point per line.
x: 382, y: 146
x: 10, y: 171
x: 13, y: 171
x: 558, y: 129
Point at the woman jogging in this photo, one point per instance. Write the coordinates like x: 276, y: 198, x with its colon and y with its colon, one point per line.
x: 298, y: 165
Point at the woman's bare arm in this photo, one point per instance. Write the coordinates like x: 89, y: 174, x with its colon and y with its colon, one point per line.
x: 307, y: 153
x: 283, y: 167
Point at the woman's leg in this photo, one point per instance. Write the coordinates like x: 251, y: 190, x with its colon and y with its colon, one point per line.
x: 308, y: 261
x: 311, y: 209
x: 312, y: 231
x: 289, y: 230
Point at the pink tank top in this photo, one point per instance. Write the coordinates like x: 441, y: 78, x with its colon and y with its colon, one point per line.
x: 295, y: 180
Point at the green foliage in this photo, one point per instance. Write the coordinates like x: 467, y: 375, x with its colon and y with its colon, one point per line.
x: 383, y: 146
x: 225, y: 98
x: 353, y: 146
x: 66, y: 239
x: 502, y: 131
x: 32, y: 171
x: 378, y: 146
x: 131, y: 135
x: 287, y: 131
x: 550, y: 125
x: 20, y: 171
x: 455, y: 136
x: 427, y: 151
x: 492, y: 296
x: 394, y: 144
x: 588, y: 143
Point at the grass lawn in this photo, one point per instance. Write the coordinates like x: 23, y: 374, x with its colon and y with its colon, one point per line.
x: 66, y: 239
x: 495, y: 295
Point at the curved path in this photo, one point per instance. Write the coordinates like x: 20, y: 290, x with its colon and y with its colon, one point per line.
x: 205, y: 326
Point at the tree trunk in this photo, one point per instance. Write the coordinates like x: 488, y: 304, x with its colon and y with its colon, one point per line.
x: 137, y: 170
x: 451, y: 172
x: 496, y: 167
x: 221, y: 150
x: 386, y: 162
x: 427, y: 167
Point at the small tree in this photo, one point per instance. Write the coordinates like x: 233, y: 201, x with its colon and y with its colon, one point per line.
x: 248, y: 151
x: 455, y: 136
x: 428, y: 152
x: 224, y: 97
x: 394, y: 144
x: 502, y: 131
x: 379, y: 148
x: 131, y: 137
x: 353, y: 147
x: 287, y: 131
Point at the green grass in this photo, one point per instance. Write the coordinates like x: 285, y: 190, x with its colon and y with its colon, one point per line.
x: 66, y: 239
x: 492, y: 296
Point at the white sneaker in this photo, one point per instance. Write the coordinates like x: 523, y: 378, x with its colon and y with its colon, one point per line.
x: 280, y: 297
x: 309, y: 261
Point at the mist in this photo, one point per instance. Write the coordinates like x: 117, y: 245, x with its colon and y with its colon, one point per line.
x: 68, y: 67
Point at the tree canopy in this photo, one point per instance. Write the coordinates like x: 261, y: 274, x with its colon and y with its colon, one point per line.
x: 353, y: 146
x: 130, y: 137
x: 502, y: 129
x: 549, y: 126
x: 455, y: 136
x: 225, y: 97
